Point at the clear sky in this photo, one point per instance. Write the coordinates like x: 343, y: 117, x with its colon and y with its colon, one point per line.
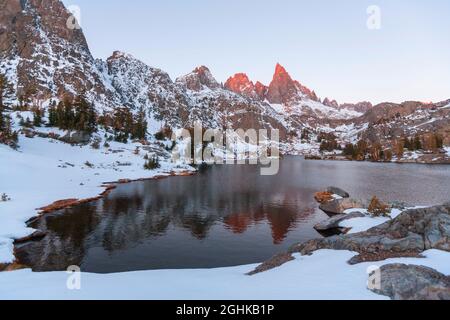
x: 325, y: 44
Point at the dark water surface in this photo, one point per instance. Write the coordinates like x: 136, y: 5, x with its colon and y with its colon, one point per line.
x: 226, y: 216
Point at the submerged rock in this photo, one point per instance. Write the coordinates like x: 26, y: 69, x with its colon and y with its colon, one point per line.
x: 408, y: 282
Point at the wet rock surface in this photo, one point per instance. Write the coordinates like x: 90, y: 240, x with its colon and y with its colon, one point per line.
x: 333, y: 222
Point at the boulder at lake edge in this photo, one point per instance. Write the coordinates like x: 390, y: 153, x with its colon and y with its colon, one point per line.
x: 414, y: 230
x: 338, y: 191
x: 333, y: 222
x: 409, y: 282
x: 339, y: 206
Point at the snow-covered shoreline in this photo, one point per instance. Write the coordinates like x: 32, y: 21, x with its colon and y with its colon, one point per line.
x: 43, y: 171
x: 323, y: 276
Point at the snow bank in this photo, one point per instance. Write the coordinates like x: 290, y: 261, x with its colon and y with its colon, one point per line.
x: 324, y: 275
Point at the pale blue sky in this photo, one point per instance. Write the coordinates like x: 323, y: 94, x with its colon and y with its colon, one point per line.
x: 325, y: 44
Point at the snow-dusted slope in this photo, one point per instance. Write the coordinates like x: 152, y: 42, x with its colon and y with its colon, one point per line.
x: 140, y: 85
x: 44, y: 58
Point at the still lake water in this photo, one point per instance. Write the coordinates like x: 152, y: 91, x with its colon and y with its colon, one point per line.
x: 226, y: 216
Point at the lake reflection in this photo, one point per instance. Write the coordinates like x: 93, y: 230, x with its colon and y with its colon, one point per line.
x: 228, y: 215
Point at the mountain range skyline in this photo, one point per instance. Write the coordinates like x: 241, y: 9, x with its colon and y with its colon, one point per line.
x: 331, y: 51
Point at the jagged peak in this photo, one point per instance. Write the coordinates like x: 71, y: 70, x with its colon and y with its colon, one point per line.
x: 240, y: 76
x: 279, y: 69
x: 198, y: 79
x: 202, y: 69
x: 330, y: 102
x: 241, y: 84
x: 238, y: 81
x: 120, y: 54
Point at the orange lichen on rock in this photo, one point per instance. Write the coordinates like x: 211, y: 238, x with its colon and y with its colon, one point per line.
x: 323, y: 196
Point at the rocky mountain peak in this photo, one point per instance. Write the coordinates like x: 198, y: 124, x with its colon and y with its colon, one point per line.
x: 281, y: 71
x: 241, y: 84
x: 261, y: 90
x: 331, y: 103
x: 198, y: 80
x: 119, y: 55
x: 282, y: 89
x: 41, y: 53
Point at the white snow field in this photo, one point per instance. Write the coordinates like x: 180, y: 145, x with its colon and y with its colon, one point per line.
x: 325, y: 275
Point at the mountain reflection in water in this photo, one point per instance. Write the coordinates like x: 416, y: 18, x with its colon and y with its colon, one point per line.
x: 227, y: 215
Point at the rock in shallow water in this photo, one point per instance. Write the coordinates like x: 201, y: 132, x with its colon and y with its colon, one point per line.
x: 408, y: 282
x: 333, y: 223
x: 339, y: 206
x: 338, y: 191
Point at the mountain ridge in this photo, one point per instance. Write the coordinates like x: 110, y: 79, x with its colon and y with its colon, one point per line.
x: 45, y: 60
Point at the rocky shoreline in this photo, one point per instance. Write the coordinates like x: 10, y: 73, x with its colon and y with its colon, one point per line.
x: 408, y: 234
x: 437, y: 158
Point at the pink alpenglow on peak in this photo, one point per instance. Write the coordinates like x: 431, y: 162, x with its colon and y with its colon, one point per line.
x: 241, y: 84
x: 284, y: 90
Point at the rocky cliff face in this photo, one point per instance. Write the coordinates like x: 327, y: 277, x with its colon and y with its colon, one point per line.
x: 44, y: 58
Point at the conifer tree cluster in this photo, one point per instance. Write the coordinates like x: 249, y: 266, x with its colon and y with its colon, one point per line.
x: 77, y: 114
x: 328, y: 142
x: 363, y: 150
x: 125, y: 124
x: 413, y: 144
x: 151, y: 163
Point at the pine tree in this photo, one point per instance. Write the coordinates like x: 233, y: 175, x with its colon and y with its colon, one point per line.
x: 399, y: 148
x: 439, y: 141
x: 85, y: 118
x: 349, y: 150
x: 6, y: 91
x: 417, y: 143
x: 37, y: 116
x: 52, y: 115
x: 140, y: 125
